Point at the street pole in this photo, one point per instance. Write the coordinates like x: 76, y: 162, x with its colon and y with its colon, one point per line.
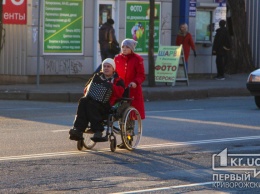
x: 38, y: 44
x: 1, y: 23
x: 151, y: 80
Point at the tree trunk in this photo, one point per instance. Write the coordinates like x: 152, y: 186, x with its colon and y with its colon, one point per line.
x: 240, y: 56
x: 151, y: 75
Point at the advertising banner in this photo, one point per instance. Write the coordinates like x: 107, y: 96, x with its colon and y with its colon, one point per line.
x: 167, y: 63
x: 63, y: 27
x: 137, y: 25
x: 15, y: 12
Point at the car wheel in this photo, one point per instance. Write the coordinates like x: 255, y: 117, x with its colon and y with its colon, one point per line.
x: 257, y: 101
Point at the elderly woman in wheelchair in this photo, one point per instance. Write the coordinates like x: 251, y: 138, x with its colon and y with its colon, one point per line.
x: 101, y: 107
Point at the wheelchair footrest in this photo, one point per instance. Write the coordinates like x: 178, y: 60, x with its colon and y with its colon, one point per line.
x: 99, y: 139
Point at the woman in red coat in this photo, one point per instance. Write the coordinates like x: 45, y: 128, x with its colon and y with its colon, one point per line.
x: 185, y: 38
x: 130, y: 68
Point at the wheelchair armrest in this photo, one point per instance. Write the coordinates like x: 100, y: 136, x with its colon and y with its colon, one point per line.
x: 126, y: 99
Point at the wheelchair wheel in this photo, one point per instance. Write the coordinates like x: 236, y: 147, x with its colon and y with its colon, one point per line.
x: 131, y: 128
x: 112, y: 143
x: 80, y: 144
x: 87, y: 142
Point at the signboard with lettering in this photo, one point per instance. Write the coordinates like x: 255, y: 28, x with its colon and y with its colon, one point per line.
x: 63, y: 27
x: 15, y: 12
x: 167, y: 65
x: 192, y: 11
x: 137, y: 24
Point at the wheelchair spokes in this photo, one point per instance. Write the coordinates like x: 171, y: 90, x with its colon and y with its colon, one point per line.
x: 131, y: 128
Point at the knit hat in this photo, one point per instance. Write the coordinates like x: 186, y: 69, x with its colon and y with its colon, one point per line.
x: 110, y: 61
x: 129, y: 43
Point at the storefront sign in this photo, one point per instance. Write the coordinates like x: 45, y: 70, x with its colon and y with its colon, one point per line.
x: 14, y: 11
x: 167, y: 63
x: 192, y: 11
x: 137, y: 24
x: 63, y: 27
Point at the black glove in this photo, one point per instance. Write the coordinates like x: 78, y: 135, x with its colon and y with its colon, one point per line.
x: 195, y: 54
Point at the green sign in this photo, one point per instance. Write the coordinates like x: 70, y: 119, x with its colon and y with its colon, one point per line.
x: 167, y: 63
x: 63, y: 27
x: 137, y: 24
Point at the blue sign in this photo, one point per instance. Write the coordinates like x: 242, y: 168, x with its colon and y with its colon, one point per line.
x: 192, y: 11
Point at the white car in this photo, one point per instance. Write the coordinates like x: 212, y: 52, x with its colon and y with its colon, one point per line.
x: 253, y: 85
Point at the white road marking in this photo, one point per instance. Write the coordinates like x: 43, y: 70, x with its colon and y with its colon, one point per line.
x: 167, y: 188
x: 205, y: 122
x: 61, y: 130
x: 154, y: 111
x: 175, y: 144
x: 47, y: 155
x: 198, y: 142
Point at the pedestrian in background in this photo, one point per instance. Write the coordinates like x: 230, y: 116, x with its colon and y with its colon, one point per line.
x: 106, y: 38
x: 130, y: 67
x: 221, y: 45
x: 185, y: 38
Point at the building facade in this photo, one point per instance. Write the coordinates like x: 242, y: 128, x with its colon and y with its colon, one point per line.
x: 58, y: 40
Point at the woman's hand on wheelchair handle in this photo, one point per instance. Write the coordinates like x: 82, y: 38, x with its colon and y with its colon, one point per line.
x: 132, y: 84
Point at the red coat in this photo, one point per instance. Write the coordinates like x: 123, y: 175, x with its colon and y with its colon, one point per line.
x: 187, y: 43
x: 118, y: 90
x: 131, y: 69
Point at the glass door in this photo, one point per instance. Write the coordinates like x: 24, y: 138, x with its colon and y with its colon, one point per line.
x: 106, y: 10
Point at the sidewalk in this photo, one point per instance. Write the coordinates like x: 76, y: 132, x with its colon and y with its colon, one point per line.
x: 234, y: 85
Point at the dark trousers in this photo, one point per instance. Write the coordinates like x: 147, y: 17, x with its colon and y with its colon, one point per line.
x: 105, y: 53
x: 90, y: 111
x: 221, y: 61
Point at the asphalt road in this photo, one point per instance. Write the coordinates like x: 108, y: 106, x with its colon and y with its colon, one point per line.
x: 175, y: 154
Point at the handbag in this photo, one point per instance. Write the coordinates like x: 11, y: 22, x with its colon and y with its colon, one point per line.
x: 99, y: 90
x: 114, y: 47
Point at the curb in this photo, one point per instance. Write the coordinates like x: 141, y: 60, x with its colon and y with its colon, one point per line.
x: 148, y: 95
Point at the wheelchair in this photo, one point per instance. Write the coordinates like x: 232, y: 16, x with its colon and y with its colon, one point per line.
x: 123, y: 120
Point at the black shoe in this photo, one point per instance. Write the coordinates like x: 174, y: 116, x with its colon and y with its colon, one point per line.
x: 221, y: 78
x: 98, y: 137
x: 121, y: 146
x: 76, y: 134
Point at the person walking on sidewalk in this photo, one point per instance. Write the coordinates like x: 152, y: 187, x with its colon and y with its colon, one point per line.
x: 130, y: 68
x: 106, y: 38
x: 93, y: 107
x: 221, y: 45
x: 185, y: 38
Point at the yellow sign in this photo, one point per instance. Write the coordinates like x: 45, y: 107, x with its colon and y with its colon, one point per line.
x: 167, y: 63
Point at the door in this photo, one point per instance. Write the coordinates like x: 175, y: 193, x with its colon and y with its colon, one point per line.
x: 106, y: 10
